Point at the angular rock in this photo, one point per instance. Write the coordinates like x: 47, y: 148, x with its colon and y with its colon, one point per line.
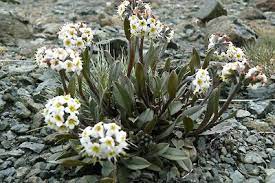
x: 251, y: 13
x: 261, y: 108
x: 238, y: 32
x: 12, y: 28
x: 253, y: 157
x: 20, y: 128
x: 36, y: 147
x: 266, y: 5
x: 22, y: 111
x: 237, y: 177
x: 2, y: 104
x: 242, y: 113
x: 210, y: 9
x: 115, y: 45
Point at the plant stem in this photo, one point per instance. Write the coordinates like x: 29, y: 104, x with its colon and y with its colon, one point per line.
x: 91, y: 85
x: 141, y: 49
x: 132, y: 44
x: 63, y: 81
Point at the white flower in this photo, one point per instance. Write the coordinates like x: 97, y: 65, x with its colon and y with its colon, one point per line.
x: 201, y: 82
x: 122, y: 7
x: 252, y: 72
x: 59, y: 116
x: 229, y: 69
x: 76, y: 36
x: 103, y: 141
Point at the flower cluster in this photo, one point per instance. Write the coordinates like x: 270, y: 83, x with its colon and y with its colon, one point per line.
x: 122, y: 8
x: 234, y: 54
x: 231, y: 69
x: 76, y: 36
x: 103, y: 141
x: 61, y: 113
x: 59, y: 59
x: 255, y: 75
x: 145, y: 27
x: 201, y: 82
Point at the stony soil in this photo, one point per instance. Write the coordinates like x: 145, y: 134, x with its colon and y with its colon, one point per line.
x: 244, y: 153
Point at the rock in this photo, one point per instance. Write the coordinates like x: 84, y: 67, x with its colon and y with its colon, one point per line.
x: 261, y: 108
x: 238, y: 32
x: 210, y: 9
x: 36, y: 147
x: 22, y: 111
x: 115, y: 45
x: 7, y: 172
x: 252, y: 139
x: 37, y: 120
x: 253, y: 157
x: 237, y: 177
x: 20, y: 128
x: 3, y: 124
x: 266, y: 5
x: 21, y: 172
x: 258, y: 125
x: 251, y: 180
x: 251, y: 13
x: 2, y: 104
x: 12, y: 28
x: 265, y: 92
x: 242, y: 113
x: 270, y: 178
x: 16, y: 153
x: 272, y: 163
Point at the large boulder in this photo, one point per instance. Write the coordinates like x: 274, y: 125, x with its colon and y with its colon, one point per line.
x: 266, y: 5
x: 12, y: 28
x: 210, y: 9
x: 238, y: 32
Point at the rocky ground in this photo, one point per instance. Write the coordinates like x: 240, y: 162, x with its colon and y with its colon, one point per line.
x: 243, y: 151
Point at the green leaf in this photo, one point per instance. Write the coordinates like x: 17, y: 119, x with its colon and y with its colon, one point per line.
x: 136, y: 163
x: 194, y: 112
x: 186, y: 164
x: 70, y: 162
x: 175, y: 107
x: 108, y: 57
x: 151, y: 57
x: 116, y: 71
x: 107, y: 168
x: 122, y: 174
x: 183, y: 72
x: 139, y: 72
x: 127, y: 30
x: 174, y: 154
x: 89, y: 179
x: 158, y: 149
x: 60, y: 137
x: 123, y: 98
x: 145, y: 116
x: 213, y: 103
x: 167, y: 132
x: 72, y: 85
x: 172, y: 84
x: 188, y: 124
x: 107, y: 180
x: 86, y: 62
x: 195, y: 61
x: 208, y: 59
x: 149, y: 127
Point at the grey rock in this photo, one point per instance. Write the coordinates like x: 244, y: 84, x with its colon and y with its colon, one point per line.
x: 36, y: 147
x: 12, y: 28
x: 7, y: 172
x: 210, y: 9
x: 35, y: 179
x: 265, y: 92
x: 20, y: 128
x: 5, y: 165
x: 22, y: 111
x: 116, y: 46
x: 21, y: 172
x: 270, y: 178
x: 242, y: 113
x: 251, y: 180
x: 258, y: 125
x: 272, y: 163
x: 37, y: 120
x: 261, y: 108
x: 238, y: 32
x: 252, y: 139
x: 252, y: 169
x: 2, y: 104
x: 251, y: 13
x: 253, y: 157
x: 266, y: 5
x: 16, y: 153
x: 3, y: 124
x: 237, y: 177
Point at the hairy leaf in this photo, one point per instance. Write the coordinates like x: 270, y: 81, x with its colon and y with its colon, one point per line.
x: 175, y: 107
x: 188, y: 124
x: 145, y: 116
x: 172, y: 84
x: 72, y: 85
x: 123, y: 98
x: 195, y: 61
x: 139, y: 72
x: 208, y: 59
x: 136, y: 163
x: 174, y: 154
x: 158, y: 149
x: 107, y: 168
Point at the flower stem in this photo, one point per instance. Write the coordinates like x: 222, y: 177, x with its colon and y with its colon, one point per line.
x: 63, y: 81
x: 132, y: 44
x: 141, y: 50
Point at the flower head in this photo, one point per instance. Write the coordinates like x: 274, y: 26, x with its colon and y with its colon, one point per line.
x: 201, y: 82
x: 103, y: 141
x: 76, y: 36
x: 58, y: 115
